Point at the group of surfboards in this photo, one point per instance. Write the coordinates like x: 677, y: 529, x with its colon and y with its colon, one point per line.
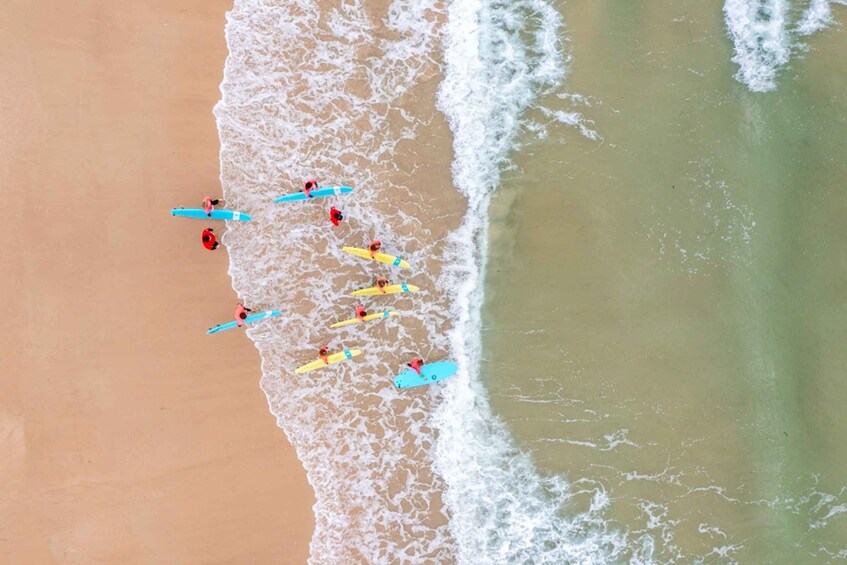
x: 418, y: 374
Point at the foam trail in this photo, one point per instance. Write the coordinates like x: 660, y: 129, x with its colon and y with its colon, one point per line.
x: 817, y: 16
x: 499, y: 56
x: 759, y: 33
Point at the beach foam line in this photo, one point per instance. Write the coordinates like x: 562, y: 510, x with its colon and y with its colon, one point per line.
x: 499, y: 58
x: 316, y: 90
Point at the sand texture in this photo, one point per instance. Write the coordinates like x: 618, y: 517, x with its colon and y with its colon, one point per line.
x: 127, y: 435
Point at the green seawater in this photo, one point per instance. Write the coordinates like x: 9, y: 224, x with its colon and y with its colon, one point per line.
x: 665, y: 306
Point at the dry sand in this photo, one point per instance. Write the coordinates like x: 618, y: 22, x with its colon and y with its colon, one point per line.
x: 126, y: 434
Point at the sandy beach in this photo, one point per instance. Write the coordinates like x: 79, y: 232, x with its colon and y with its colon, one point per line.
x: 127, y: 434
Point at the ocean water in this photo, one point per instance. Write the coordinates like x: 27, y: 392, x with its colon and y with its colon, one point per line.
x: 625, y: 222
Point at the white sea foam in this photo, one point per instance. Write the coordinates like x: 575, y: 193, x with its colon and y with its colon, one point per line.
x: 759, y: 33
x: 817, y: 16
x: 499, y: 57
x: 311, y: 92
x: 763, y: 38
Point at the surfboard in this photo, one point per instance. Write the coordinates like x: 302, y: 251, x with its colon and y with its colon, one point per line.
x: 216, y: 214
x: 368, y: 318
x: 333, y: 359
x: 430, y: 373
x: 381, y: 257
x: 248, y: 320
x: 319, y: 193
x: 389, y: 289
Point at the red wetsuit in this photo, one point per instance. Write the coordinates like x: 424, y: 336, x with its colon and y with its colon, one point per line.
x: 361, y: 313
x: 335, y: 216
x: 374, y: 247
x: 416, y: 364
x: 323, y: 354
x: 381, y: 283
x: 210, y: 242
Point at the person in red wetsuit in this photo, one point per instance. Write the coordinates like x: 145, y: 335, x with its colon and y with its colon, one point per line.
x: 309, y: 186
x: 241, y: 314
x: 209, y: 204
x: 361, y: 313
x: 416, y: 364
x: 210, y: 242
x: 381, y: 283
x: 323, y: 354
x: 374, y: 247
x: 335, y: 216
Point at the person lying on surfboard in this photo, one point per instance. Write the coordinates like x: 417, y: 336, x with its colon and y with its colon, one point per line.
x: 241, y: 314
x: 381, y: 283
x: 361, y: 313
x: 210, y: 242
x: 374, y: 247
x: 208, y: 204
x: 416, y: 364
x: 335, y: 216
x: 323, y: 354
x: 309, y: 186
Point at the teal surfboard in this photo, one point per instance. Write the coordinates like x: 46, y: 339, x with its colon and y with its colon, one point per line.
x: 248, y: 320
x: 216, y: 214
x: 430, y: 373
x: 319, y: 193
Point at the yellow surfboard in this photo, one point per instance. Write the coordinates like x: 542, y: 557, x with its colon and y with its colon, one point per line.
x: 368, y: 318
x: 381, y: 257
x: 389, y: 289
x: 333, y: 359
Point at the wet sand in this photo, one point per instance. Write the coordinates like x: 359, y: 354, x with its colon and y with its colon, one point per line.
x: 127, y: 434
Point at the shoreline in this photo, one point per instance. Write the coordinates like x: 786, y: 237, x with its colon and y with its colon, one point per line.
x: 381, y: 133
x: 128, y: 431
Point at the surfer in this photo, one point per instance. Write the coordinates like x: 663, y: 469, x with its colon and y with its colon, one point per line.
x: 374, y: 247
x: 241, y: 314
x: 210, y: 242
x: 309, y: 186
x: 381, y: 283
x: 209, y: 204
x: 361, y: 313
x: 323, y: 354
x: 335, y: 216
x: 416, y: 364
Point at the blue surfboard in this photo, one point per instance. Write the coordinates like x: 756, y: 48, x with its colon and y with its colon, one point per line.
x: 319, y: 193
x: 248, y: 320
x: 216, y: 214
x: 430, y: 373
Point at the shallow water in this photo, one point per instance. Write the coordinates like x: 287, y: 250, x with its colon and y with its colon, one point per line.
x: 661, y: 325
x: 664, y: 304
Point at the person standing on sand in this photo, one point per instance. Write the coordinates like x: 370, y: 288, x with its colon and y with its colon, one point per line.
x: 210, y: 242
x: 374, y: 247
x: 209, y: 204
x: 335, y: 216
x: 381, y: 283
x: 416, y: 364
x: 241, y: 314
